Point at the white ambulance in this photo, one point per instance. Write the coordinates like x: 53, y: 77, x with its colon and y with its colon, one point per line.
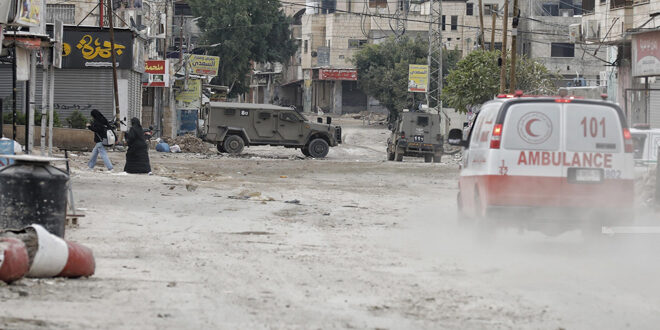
x: 540, y: 160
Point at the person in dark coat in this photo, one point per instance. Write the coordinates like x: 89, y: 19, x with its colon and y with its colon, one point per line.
x: 137, y: 156
x: 100, y: 127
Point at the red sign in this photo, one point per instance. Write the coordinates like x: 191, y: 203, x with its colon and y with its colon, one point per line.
x: 158, y: 73
x: 337, y: 74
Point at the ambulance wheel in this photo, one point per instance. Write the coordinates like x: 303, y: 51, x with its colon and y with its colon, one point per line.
x: 234, y: 144
x: 428, y: 158
x: 485, y: 228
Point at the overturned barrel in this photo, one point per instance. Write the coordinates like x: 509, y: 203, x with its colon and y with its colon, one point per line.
x: 33, y: 192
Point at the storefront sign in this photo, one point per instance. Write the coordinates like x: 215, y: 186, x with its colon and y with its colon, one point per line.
x: 90, y: 48
x: 188, y: 98
x: 418, y: 78
x: 337, y: 74
x: 187, y: 121
x: 29, y: 13
x: 646, y: 54
x: 203, y: 65
x: 159, y: 73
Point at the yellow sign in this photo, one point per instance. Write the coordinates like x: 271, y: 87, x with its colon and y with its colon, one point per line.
x: 418, y: 78
x: 203, y: 65
x: 188, y: 97
x: 92, y: 48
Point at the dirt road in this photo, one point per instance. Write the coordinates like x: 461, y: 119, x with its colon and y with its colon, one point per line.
x: 272, y: 240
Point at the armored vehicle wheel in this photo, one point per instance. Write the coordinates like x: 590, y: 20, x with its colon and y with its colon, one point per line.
x: 390, y: 155
x: 221, y: 148
x: 305, y: 151
x: 398, y: 155
x: 234, y: 144
x: 318, y: 148
x: 437, y: 158
x: 428, y: 158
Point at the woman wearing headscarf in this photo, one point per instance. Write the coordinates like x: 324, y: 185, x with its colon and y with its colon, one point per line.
x: 137, y: 156
x: 100, y: 127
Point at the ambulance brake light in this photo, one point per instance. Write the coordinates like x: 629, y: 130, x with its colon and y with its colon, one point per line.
x: 496, y: 137
x: 627, y: 140
x: 563, y: 100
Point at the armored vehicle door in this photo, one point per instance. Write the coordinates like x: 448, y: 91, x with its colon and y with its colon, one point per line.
x: 290, y: 126
x: 264, y: 123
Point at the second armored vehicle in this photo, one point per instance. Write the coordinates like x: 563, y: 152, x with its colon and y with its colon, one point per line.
x: 415, y: 134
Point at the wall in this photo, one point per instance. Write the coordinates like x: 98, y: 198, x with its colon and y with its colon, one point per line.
x: 63, y: 138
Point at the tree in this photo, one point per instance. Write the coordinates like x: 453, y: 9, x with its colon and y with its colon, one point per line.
x: 476, y: 79
x: 383, y: 70
x: 248, y: 31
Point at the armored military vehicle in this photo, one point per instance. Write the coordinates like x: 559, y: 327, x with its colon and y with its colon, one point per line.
x: 415, y: 134
x: 232, y: 126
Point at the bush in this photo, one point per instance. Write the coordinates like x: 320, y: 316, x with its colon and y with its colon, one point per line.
x: 77, y: 120
x: 20, y: 119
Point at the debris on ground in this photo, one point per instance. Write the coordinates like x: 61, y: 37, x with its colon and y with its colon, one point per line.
x: 189, y: 143
x: 255, y: 195
x: 295, y: 201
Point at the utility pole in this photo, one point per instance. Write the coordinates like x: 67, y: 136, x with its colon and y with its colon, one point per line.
x: 514, y: 49
x: 101, y: 13
x: 493, y: 15
x: 505, y: 29
x: 481, y: 25
x: 434, y: 59
x: 111, y: 18
x: 14, y: 110
x: 44, y: 99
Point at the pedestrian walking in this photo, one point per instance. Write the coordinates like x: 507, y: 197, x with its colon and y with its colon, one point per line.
x: 100, y: 126
x: 137, y: 156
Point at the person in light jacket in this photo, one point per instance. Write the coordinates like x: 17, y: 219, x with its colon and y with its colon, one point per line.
x: 99, y: 126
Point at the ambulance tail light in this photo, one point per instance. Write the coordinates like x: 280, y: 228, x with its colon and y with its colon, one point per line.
x: 627, y: 140
x: 496, y: 137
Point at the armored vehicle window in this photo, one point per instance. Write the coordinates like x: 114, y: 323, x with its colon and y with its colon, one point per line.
x: 230, y: 112
x: 286, y: 116
x: 422, y: 121
x: 264, y: 115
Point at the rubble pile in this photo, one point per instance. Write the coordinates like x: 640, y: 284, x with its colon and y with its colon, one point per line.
x: 189, y: 143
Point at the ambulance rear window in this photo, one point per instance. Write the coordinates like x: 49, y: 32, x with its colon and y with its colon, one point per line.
x: 592, y: 127
x: 532, y: 126
x: 422, y: 121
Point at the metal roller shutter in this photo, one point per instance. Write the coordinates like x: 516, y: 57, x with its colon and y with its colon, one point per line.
x: 654, y: 105
x: 75, y: 89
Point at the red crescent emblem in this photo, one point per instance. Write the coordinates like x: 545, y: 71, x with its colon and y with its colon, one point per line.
x: 528, y: 127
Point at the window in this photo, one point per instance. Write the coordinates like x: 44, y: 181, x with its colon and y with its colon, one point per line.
x: 306, y: 46
x: 498, y: 45
x: 617, y: 3
x: 290, y: 117
x: 328, y: 6
x: 469, y: 9
x: 560, y: 49
x: 64, y: 13
x: 490, y: 8
x: 422, y: 121
x: 454, y: 23
x: 356, y: 43
x: 264, y: 115
x: 588, y: 6
x: 182, y: 9
x: 230, y: 112
x: 550, y: 9
x: 443, y: 22
x: 377, y: 3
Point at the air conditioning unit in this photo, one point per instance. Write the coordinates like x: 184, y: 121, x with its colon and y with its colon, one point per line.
x: 566, y: 12
x: 591, y: 30
x: 575, y: 32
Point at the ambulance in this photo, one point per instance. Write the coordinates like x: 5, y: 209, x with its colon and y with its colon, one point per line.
x: 538, y: 161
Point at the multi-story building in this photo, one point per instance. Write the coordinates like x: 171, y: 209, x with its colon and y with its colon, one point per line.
x: 629, y: 31
x: 330, y: 32
x: 544, y: 34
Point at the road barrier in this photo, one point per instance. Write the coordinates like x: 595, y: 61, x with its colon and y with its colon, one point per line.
x: 14, y: 259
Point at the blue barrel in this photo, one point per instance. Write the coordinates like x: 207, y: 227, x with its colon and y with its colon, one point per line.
x: 33, y: 192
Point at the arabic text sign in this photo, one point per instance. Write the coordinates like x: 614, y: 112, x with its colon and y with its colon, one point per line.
x: 188, y: 98
x: 85, y: 48
x: 204, y: 65
x: 337, y: 74
x: 158, y: 71
x: 418, y: 78
x: 646, y: 54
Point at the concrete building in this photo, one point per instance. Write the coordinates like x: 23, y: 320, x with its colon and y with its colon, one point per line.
x: 629, y: 31
x: 544, y: 34
x: 322, y: 76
